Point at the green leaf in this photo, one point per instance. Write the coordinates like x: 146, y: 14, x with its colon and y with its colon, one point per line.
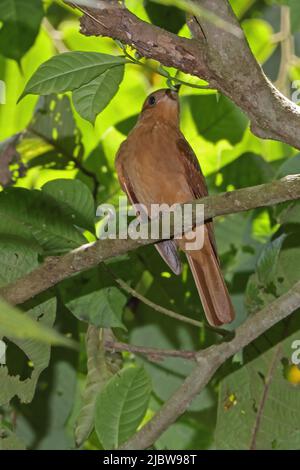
x: 291, y: 166
x: 126, y: 125
x: 102, y: 308
x: 11, y: 166
x: 52, y: 139
x: 60, y: 381
x: 102, y: 365
x: 247, y: 170
x: 258, y: 407
x: 267, y: 262
x: 167, y: 17
x: 10, y: 441
x: 259, y: 36
x: 217, y: 118
x: 288, y: 272
x: 284, y: 253
x: 295, y: 13
x: 36, y: 351
x: 69, y: 71
x: 90, y: 99
x: 187, y: 434
x: 17, y: 259
x: 54, y: 129
x: 288, y: 212
x: 47, y: 422
x: 36, y: 217
x: 75, y: 199
x: 121, y: 406
x: 16, y: 324
x: 21, y: 23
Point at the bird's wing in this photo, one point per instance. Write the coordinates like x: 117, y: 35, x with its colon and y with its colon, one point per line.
x: 204, y: 263
x: 167, y: 248
x: 196, y: 181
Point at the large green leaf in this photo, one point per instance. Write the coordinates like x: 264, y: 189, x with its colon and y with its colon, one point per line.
x: 217, y: 118
x: 54, y: 125
x: 288, y: 212
x: 278, y: 268
x: 291, y: 166
x: 167, y: 17
x: 36, y: 217
x: 17, y: 325
x: 102, y: 365
x: 258, y: 406
x: 10, y: 441
x: 102, y: 308
x: 75, y: 199
x: 90, y: 99
x: 267, y: 262
x: 259, y: 36
x: 187, y: 433
x: 247, y: 170
x: 36, y: 351
x: 121, y: 406
x: 46, y: 422
x: 21, y: 22
x: 126, y: 125
x: 51, y: 139
x: 17, y: 259
x: 69, y: 71
x: 31, y: 331
x: 295, y: 12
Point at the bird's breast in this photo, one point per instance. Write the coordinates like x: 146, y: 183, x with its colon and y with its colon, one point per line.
x: 155, y: 168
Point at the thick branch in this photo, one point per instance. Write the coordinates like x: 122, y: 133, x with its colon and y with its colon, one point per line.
x: 208, y: 362
x: 119, y: 23
x: 88, y: 256
x: 222, y: 58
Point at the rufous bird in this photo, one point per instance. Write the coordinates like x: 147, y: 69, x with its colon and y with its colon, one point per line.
x: 156, y: 165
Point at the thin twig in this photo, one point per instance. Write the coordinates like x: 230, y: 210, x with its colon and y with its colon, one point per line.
x: 163, y: 73
x: 163, y: 310
x: 56, y: 37
x: 153, y: 354
x: 287, y: 51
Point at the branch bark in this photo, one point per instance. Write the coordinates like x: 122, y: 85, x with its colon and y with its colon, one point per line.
x: 153, y: 354
x: 209, y: 361
x: 223, y: 59
x: 56, y: 269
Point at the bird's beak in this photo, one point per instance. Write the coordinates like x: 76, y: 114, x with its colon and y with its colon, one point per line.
x: 172, y: 94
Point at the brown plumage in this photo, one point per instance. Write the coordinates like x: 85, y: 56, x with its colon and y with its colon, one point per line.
x: 157, y: 165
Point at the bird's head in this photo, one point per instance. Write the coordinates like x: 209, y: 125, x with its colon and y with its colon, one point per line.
x: 162, y: 104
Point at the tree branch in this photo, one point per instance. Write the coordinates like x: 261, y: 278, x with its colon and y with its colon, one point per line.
x: 209, y: 361
x: 223, y: 59
x: 153, y: 354
x: 56, y: 269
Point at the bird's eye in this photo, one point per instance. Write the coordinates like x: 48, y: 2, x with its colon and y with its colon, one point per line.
x: 152, y: 100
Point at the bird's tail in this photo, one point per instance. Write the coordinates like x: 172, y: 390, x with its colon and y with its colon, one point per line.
x: 210, y: 283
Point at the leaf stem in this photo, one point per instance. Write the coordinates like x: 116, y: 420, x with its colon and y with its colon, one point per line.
x: 161, y: 71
